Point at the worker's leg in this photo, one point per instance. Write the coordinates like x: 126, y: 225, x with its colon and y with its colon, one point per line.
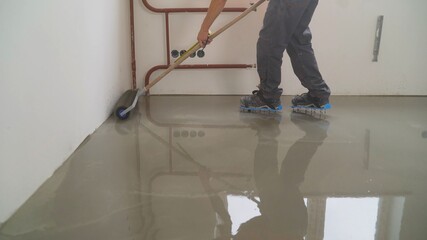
x: 303, y: 59
x: 280, y: 22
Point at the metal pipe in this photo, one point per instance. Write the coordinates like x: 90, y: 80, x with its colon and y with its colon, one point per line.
x: 176, y: 10
x: 378, y: 33
x: 197, y: 66
x: 132, y: 39
x: 168, y: 48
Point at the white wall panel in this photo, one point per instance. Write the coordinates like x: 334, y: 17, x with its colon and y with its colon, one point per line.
x: 63, y: 65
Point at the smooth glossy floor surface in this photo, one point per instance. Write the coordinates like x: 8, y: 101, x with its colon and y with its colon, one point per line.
x: 196, y: 168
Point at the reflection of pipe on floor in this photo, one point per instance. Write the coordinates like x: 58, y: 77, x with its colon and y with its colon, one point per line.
x: 202, y: 169
x: 424, y: 134
x: 150, y: 117
x: 367, y: 149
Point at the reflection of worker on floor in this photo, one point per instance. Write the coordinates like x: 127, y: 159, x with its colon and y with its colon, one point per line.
x: 282, y: 207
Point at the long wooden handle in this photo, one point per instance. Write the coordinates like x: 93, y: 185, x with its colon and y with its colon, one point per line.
x: 238, y: 18
x: 197, y: 46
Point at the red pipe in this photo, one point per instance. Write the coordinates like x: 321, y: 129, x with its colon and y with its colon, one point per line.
x: 168, y: 48
x: 132, y: 39
x: 175, y: 10
x: 196, y: 66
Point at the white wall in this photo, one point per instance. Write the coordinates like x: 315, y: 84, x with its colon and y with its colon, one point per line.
x: 63, y: 64
x: 343, y: 32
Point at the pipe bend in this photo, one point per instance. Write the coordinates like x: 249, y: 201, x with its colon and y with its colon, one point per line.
x: 197, y: 66
x: 169, y: 10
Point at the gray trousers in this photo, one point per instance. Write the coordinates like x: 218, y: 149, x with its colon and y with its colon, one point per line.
x: 285, y: 27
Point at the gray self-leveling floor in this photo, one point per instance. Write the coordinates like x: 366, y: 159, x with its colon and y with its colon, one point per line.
x: 185, y: 167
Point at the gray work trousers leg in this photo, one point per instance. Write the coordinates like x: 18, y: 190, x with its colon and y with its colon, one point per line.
x: 285, y: 27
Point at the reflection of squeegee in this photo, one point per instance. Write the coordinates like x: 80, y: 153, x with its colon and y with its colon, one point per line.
x: 129, y: 99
